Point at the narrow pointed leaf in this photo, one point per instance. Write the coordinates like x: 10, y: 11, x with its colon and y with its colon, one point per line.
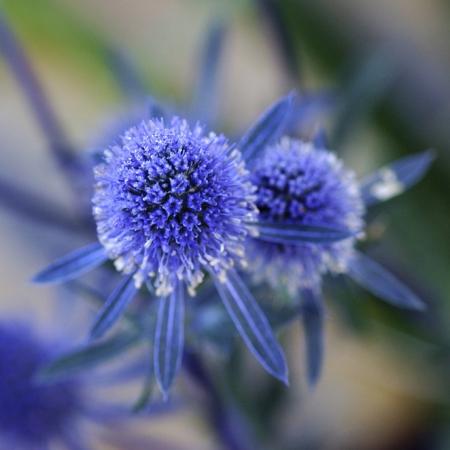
x: 376, y: 279
x: 280, y: 233
x: 363, y: 90
x: 73, y: 265
x: 124, y: 70
x: 312, y: 318
x: 252, y: 325
x: 34, y: 207
x: 15, y: 56
x: 114, y: 307
x: 205, y: 99
x: 269, y: 127
x: 277, y: 20
x: 97, y: 299
x: 396, y: 178
x: 87, y: 357
x: 310, y: 109
x: 169, y: 338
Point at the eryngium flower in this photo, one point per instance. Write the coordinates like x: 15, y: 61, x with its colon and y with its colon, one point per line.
x: 171, y: 200
x: 302, y: 185
x: 44, y: 403
x: 31, y: 414
x: 299, y: 184
x: 171, y: 203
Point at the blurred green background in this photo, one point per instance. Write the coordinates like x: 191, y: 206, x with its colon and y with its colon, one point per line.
x: 386, y: 379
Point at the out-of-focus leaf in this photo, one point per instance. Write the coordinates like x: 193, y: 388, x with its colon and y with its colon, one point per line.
x: 125, y: 73
x: 147, y: 390
x: 212, y: 325
x: 252, y: 325
x: 268, y: 127
x: 395, y: 178
x: 97, y: 299
x: 347, y: 302
x: 299, y: 234
x: 205, y: 98
x: 87, y: 357
x: 310, y: 109
x: 376, y: 279
x: 169, y: 338
x: 17, y: 60
x: 364, y: 89
x: 114, y: 307
x: 276, y: 19
x: 35, y: 208
x: 312, y: 317
x: 72, y: 265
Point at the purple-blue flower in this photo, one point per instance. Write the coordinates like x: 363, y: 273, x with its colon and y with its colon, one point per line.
x: 200, y: 211
x: 32, y: 414
x: 299, y: 184
x: 172, y: 201
x: 310, y: 194
x: 38, y: 413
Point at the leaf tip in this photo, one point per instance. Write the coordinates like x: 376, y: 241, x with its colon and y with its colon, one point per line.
x: 94, y: 334
x: 42, y: 277
x: 282, y: 373
x: 38, y: 279
x: 284, y: 377
x: 312, y: 380
x: 164, y: 388
x: 418, y: 305
x: 431, y: 153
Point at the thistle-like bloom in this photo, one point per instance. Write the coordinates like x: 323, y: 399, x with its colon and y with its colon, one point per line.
x: 31, y: 415
x: 37, y: 415
x: 172, y: 202
x: 299, y: 185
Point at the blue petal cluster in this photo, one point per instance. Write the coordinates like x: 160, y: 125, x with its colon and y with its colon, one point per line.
x: 31, y: 415
x: 170, y: 201
x: 300, y: 184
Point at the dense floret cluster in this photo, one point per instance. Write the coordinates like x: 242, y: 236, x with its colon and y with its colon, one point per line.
x: 299, y: 184
x: 171, y: 201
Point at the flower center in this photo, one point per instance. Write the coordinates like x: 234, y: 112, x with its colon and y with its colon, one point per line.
x: 299, y: 184
x: 170, y: 200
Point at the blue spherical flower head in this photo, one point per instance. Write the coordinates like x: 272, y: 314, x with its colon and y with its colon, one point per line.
x: 31, y: 414
x: 170, y: 201
x: 300, y: 184
x: 62, y: 411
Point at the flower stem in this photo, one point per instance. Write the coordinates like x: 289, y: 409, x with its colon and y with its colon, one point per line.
x: 226, y: 421
x: 19, y: 64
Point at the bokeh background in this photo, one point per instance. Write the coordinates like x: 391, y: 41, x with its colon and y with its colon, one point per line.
x: 386, y: 378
